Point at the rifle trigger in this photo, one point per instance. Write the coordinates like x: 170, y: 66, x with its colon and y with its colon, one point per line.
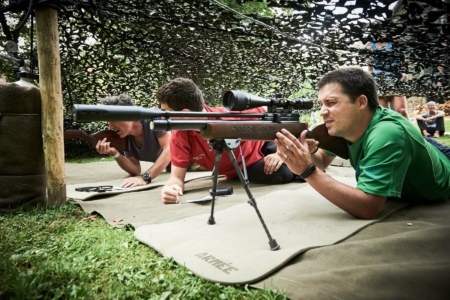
x: 277, y: 118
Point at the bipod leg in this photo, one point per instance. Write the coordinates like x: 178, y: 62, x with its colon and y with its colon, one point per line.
x: 218, y: 146
x: 229, y: 146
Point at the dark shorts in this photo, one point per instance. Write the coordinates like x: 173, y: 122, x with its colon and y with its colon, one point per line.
x: 442, y: 148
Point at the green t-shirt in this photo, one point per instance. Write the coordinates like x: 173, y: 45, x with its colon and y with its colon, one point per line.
x: 393, y: 159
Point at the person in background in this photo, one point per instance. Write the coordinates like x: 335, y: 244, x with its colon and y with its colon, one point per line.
x: 442, y: 77
x: 381, y: 65
x: 431, y: 123
x: 2, y: 78
x: 390, y: 157
x: 143, y: 144
x: 314, y: 119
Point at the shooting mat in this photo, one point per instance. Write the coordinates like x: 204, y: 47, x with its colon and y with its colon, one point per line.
x: 236, y: 250
x: 405, y: 256
x: 142, y: 207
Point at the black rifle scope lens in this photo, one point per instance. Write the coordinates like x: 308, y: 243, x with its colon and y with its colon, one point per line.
x: 231, y: 100
x: 303, y: 103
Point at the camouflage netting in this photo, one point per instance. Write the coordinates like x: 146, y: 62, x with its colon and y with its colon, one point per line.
x: 113, y: 46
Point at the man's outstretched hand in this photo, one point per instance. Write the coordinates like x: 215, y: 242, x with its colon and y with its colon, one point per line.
x: 170, y: 194
x: 133, y: 181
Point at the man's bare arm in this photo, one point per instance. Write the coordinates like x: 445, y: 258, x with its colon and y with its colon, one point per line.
x: 321, y: 159
x: 296, y: 155
x: 164, y: 158
x: 130, y: 165
x: 419, y: 117
x: 352, y: 200
x: 440, y: 115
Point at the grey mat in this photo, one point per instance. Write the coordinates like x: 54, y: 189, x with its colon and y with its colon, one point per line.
x: 236, y: 250
x: 387, y: 260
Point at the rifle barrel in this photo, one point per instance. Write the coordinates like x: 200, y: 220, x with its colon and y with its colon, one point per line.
x: 93, y: 113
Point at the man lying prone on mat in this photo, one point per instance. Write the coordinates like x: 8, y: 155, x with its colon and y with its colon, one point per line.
x: 390, y: 156
x: 263, y: 164
x: 144, y: 144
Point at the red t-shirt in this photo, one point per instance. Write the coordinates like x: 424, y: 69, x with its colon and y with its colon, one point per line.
x: 188, y: 146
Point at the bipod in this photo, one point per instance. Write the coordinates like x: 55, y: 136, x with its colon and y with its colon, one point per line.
x: 230, y: 144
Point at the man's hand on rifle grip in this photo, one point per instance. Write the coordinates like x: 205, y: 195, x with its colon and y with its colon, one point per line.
x: 313, y: 145
x: 170, y: 194
x: 294, y: 152
x: 103, y: 147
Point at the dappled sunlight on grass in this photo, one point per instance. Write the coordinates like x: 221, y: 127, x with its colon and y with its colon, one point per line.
x: 59, y: 253
x: 87, y: 160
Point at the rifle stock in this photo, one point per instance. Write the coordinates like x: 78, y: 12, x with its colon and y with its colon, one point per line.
x: 334, y: 144
x: 92, y: 139
x: 256, y: 131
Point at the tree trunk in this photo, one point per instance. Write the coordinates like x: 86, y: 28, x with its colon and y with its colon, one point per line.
x: 52, y: 107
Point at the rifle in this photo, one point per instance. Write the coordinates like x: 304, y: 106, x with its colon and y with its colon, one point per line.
x: 92, y: 139
x: 220, y: 133
x: 280, y: 115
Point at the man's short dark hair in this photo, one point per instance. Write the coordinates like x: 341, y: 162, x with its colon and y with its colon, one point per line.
x: 181, y: 93
x: 354, y: 83
x: 122, y: 99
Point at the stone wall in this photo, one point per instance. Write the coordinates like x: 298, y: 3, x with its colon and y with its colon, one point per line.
x: 419, y: 107
x: 413, y: 103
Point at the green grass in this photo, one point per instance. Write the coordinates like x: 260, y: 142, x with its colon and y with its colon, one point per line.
x: 445, y: 139
x: 52, y: 253
x: 88, y: 160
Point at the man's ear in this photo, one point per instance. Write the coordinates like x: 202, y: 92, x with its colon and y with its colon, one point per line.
x: 362, y: 101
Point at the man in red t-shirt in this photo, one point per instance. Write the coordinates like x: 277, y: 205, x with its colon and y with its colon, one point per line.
x: 186, y: 146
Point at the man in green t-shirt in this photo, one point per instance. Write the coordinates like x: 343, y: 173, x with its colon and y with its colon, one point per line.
x: 389, y: 155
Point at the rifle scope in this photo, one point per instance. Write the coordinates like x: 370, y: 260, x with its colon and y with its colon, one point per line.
x: 238, y: 100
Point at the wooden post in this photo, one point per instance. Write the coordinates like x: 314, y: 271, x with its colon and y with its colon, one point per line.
x: 47, y: 35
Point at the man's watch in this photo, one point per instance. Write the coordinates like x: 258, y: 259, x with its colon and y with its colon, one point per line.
x: 147, y: 177
x: 308, y: 171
